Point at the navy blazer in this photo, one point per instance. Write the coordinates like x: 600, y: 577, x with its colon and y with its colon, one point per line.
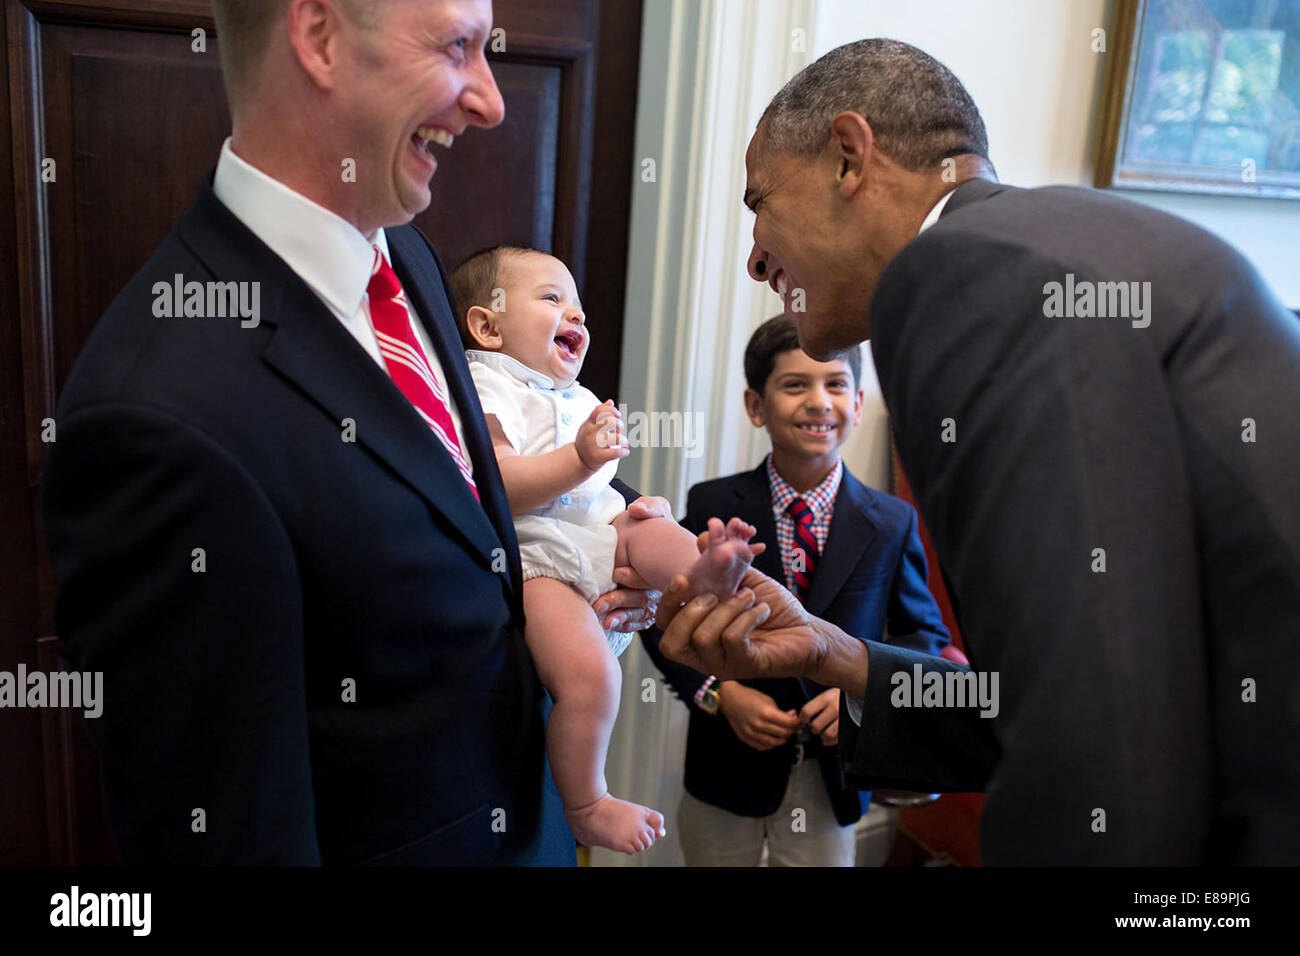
x: 340, y: 674
x: 870, y: 581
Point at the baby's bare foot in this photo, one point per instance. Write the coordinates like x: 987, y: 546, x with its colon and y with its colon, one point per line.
x: 616, y: 825
x: 723, y: 563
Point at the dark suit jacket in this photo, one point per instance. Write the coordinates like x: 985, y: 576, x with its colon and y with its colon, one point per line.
x: 870, y: 579
x: 1163, y: 692
x: 334, y: 570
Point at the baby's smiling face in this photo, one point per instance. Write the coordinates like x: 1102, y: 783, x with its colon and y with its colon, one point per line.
x: 542, y: 323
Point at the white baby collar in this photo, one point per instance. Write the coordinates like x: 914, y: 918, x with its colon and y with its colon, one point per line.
x: 500, y: 362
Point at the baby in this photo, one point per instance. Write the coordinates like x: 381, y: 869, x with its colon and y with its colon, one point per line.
x: 558, y: 446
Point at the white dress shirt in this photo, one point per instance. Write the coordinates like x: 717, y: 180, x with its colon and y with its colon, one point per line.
x: 325, y: 250
x: 852, y: 702
x: 936, y: 211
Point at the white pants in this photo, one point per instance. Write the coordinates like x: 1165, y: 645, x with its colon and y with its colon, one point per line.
x: 711, y: 836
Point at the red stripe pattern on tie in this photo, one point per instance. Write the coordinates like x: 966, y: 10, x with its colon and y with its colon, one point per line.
x: 406, y: 362
x: 805, y: 543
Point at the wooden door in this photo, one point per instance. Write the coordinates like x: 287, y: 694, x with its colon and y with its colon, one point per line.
x: 113, y: 115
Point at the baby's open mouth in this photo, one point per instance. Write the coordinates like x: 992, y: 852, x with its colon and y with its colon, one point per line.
x: 570, y: 342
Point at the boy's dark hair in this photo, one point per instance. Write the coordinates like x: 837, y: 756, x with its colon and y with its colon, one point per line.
x: 475, y: 281
x: 775, y: 336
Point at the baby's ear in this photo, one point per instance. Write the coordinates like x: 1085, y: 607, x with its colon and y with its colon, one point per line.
x: 482, y: 325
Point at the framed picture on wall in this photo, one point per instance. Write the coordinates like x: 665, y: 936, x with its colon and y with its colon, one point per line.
x: 1203, y: 96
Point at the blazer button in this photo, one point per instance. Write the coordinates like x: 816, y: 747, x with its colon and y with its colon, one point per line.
x: 566, y: 418
x: 566, y: 500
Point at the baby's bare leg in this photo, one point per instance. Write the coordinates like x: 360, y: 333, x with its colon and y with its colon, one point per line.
x: 659, y: 548
x: 582, y: 676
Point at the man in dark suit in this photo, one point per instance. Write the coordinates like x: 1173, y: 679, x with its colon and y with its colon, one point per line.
x: 758, y: 748
x: 281, y: 534
x: 1096, y: 405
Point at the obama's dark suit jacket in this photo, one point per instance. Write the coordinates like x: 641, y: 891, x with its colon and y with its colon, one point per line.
x: 339, y: 675
x: 1118, y: 515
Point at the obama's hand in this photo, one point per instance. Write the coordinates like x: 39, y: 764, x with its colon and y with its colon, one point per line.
x: 760, y: 631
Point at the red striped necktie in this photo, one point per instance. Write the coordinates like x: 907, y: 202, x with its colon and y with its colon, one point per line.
x: 406, y: 361
x: 806, y: 551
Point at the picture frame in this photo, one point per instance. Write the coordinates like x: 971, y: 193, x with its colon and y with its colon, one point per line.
x: 1203, y: 96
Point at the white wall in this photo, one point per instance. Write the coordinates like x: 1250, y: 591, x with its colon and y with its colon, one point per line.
x: 1030, y: 67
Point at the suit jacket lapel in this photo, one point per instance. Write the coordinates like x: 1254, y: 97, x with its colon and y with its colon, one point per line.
x: 312, y: 349
x: 754, y: 505
x: 412, y: 265
x: 852, y: 533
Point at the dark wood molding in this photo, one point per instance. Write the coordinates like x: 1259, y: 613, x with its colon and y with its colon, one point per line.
x: 56, y: 731
x: 574, y: 58
x: 612, y: 177
x: 155, y: 14
x: 31, y: 231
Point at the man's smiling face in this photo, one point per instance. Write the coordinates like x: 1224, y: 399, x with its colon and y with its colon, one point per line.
x: 412, y: 81
x: 798, y: 247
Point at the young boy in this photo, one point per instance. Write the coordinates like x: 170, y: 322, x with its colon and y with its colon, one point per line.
x: 761, y: 763
x: 558, y: 447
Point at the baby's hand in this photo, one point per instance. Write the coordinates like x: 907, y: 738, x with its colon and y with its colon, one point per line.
x: 600, y: 438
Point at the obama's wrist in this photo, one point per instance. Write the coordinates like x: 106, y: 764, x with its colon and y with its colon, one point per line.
x: 844, y: 662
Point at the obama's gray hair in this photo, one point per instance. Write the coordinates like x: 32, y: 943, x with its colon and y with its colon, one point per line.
x: 919, y: 112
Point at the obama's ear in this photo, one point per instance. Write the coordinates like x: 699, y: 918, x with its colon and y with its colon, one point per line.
x: 483, y: 328
x: 851, y: 145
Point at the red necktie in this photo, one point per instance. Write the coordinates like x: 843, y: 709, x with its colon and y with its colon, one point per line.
x: 406, y: 361
x: 806, y: 542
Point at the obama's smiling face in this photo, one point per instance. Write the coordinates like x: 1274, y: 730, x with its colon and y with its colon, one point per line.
x: 802, y: 247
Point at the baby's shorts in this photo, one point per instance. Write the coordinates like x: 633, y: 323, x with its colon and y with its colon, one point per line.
x: 579, y: 555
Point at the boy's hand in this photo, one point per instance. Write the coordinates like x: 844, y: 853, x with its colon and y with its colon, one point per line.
x: 600, y: 438
x: 754, y: 716
x: 822, y: 715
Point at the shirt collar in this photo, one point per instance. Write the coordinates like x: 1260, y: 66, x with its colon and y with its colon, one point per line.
x: 818, y: 499
x: 936, y: 211
x: 500, y: 362
x: 325, y: 250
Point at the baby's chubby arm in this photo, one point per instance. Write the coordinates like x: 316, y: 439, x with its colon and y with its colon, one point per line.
x: 534, y: 480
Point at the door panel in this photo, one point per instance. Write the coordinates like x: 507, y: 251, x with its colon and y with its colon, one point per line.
x: 522, y: 151
x: 129, y: 181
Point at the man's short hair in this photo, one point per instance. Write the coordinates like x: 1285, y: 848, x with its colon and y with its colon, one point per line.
x: 919, y: 112
x: 475, y: 282
x: 776, y: 336
x: 244, y: 28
